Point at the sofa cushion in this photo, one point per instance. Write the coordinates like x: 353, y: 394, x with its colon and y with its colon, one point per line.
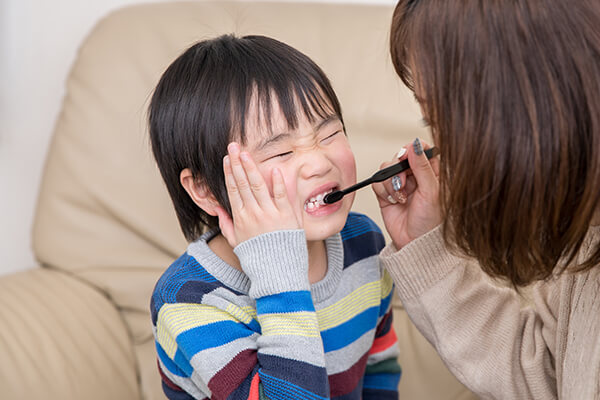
x: 103, y: 213
x: 62, y: 339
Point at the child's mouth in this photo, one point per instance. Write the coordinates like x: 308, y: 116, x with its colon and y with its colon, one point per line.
x: 316, y: 202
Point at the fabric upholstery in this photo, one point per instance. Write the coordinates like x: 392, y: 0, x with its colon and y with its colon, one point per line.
x: 105, y: 229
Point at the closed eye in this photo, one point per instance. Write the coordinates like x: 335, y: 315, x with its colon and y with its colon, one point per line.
x: 281, y: 155
x: 330, y: 137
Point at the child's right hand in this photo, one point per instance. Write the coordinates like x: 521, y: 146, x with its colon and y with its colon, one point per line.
x: 253, y: 209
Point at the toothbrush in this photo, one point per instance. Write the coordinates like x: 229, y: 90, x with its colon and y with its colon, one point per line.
x: 378, y: 176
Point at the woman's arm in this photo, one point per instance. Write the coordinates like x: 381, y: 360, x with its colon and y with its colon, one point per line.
x: 493, y: 345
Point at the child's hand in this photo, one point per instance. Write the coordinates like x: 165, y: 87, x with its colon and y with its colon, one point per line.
x: 414, y: 209
x: 253, y: 209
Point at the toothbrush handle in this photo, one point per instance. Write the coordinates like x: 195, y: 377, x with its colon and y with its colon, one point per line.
x: 378, y: 176
x: 395, y: 169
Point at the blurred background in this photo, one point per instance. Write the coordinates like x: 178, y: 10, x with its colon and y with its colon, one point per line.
x: 38, y: 43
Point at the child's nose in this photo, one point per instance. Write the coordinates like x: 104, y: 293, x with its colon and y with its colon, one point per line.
x: 315, y: 163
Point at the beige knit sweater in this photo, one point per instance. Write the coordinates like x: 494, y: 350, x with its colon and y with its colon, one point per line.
x: 489, y: 340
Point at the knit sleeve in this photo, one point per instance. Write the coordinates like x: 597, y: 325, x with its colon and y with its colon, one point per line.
x: 219, y: 348
x: 494, y: 345
x: 383, y: 372
x: 290, y: 350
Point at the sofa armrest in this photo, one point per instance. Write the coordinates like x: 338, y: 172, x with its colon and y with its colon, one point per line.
x: 62, y: 339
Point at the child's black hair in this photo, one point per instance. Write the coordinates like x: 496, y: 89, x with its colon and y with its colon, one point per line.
x: 201, y: 104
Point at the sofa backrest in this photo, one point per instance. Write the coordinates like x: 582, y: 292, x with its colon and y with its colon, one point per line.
x: 103, y: 212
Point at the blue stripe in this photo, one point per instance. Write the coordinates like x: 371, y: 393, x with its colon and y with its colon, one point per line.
x: 385, y: 324
x: 313, y: 378
x: 346, y: 333
x: 278, y: 389
x: 183, y: 362
x: 379, y: 394
x: 209, y: 336
x: 357, y: 224
x: 385, y: 303
x: 171, y: 366
x: 356, y: 231
x: 382, y: 381
x: 186, y: 268
x: 175, y: 394
x: 360, y: 247
x: 285, y: 302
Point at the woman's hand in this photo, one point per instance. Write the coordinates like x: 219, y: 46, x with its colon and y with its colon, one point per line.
x: 254, y: 211
x: 415, y: 208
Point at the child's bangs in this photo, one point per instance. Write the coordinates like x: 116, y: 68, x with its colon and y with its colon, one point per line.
x: 292, y: 100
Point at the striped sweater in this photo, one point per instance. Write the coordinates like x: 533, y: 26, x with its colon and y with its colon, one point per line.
x: 267, y: 333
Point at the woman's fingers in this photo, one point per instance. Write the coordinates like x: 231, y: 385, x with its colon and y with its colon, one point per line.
x: 421, y: 168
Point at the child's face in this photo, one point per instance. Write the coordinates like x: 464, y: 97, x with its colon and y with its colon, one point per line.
x: 314, y: 159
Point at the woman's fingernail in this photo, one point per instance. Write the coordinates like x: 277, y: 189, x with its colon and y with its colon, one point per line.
x: 396, y: 183
x: 402, y: 197
x: 226, y: 160
x: 244, y: 156
x: 391, y: 199
x: 418, y: 147
x: 401, y: 153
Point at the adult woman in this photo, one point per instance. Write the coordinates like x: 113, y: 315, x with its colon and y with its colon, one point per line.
x: 511, y: 90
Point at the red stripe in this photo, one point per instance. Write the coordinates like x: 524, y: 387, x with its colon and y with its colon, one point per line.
x: 232, y: 375
x: 384, y: 342
x: 254, y: 395
x: 167, y: 381
x: 345, y: 382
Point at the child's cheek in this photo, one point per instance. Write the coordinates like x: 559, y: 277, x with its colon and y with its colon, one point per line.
x: 347, y: 164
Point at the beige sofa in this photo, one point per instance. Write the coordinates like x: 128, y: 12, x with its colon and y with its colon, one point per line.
x: 78, y: 326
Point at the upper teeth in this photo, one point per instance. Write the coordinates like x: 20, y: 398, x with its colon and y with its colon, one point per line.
x: 317, y: 201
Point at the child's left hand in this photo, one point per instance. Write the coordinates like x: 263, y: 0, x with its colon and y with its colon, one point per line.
x: 253, y: 209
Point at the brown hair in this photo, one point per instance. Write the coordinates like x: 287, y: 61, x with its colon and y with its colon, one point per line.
x: 511, y: 90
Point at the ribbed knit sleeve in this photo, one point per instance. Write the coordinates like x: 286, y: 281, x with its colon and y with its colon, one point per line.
x: 291, y: 356
x: 275, y: 262
x: 494, y: 346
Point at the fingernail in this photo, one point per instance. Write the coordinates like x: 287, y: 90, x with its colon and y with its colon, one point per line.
x: 418, y: 147
x: 402, y: 197
x: 401, y: 153
x: 396, y: 183
x: 232, y: 147
x: 391, y: 199
x: 244, y: 156
x: 226, y: 160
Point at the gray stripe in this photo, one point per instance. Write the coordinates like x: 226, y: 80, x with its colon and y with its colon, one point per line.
x: 187, y: 384
x: 344, y: 358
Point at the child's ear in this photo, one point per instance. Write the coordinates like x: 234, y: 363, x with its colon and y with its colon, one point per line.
x: 198, y: 192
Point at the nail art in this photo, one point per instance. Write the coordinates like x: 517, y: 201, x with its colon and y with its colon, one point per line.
x: 391, y: 199
x: 402, y: 197
x: 418, y: 147
x: 396, y: 183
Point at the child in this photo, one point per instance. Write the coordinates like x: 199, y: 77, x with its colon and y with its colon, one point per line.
x: 287, y: 299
